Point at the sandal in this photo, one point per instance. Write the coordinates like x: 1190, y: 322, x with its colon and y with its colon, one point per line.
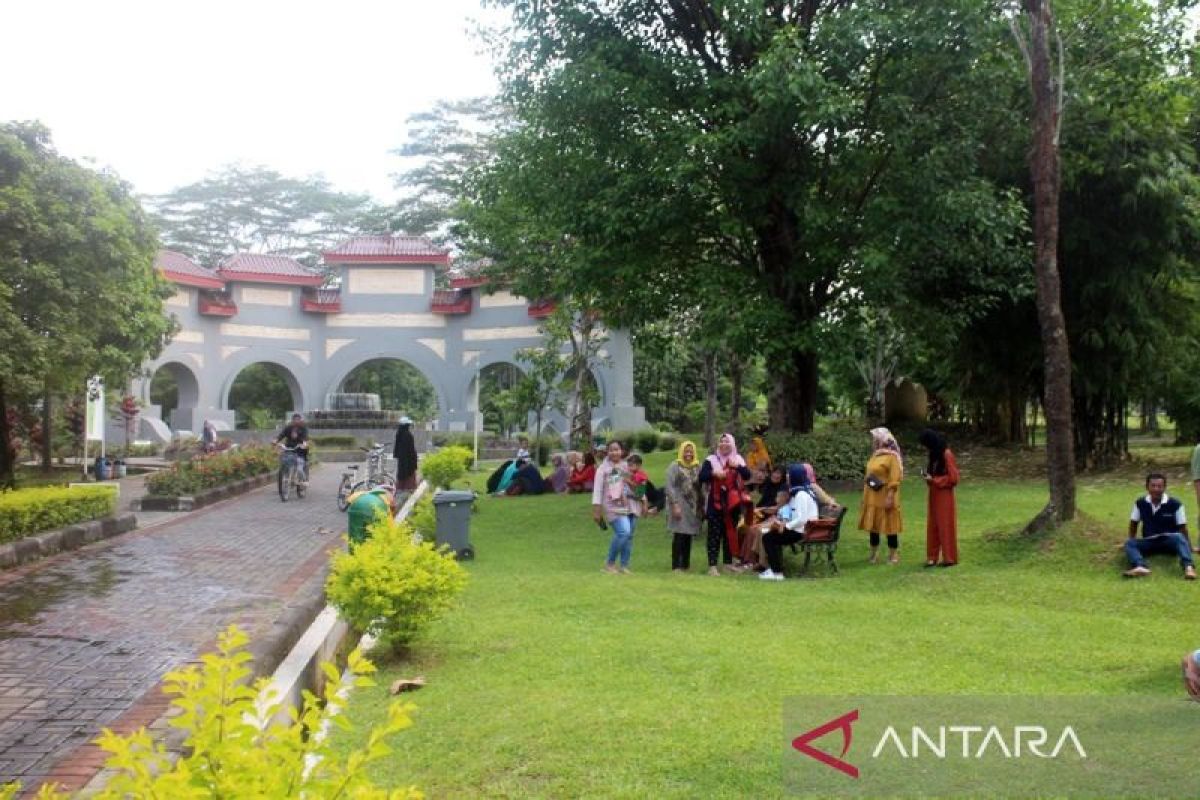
x: 894, y: 558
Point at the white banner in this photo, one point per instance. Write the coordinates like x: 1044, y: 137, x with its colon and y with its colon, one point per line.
x: 95, y: 409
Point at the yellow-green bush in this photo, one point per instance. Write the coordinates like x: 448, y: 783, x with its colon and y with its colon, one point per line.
x: 392, y: 586
x: 423, y: 517
x: 446, y: 465
x: 28, y: 511
x: 232, y: 750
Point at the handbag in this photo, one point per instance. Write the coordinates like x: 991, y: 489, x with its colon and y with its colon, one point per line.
x: 874, y: 483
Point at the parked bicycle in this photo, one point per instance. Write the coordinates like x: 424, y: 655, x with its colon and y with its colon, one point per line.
x: 293, y: 472
x: 376, y: 476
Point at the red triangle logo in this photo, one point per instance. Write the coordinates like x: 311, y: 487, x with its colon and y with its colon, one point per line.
x: 842, y: 723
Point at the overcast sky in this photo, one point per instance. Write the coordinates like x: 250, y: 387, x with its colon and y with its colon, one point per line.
x: 164, y: 92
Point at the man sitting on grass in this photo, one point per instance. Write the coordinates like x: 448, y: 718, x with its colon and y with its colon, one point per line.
x: 1164, y: 529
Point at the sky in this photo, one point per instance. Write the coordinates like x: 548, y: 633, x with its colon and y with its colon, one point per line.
x: 165, y: 92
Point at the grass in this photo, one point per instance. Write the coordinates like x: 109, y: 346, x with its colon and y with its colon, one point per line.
x: 555, y: 680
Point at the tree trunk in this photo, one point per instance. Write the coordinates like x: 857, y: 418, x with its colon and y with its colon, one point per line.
x: 1045, y: 174
x: 537, y: 431
x: 710, y: 399
x: 7, y: 478
x: 792, y: 403
x: 47, y: 449
x: 737, y: 372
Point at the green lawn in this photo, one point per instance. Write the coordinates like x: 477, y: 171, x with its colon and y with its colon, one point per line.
x: 555, y: 680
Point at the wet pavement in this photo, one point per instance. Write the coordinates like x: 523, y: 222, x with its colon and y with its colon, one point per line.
x: 86, y: 636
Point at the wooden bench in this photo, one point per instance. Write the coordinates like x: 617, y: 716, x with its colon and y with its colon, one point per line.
x: 821, y: 535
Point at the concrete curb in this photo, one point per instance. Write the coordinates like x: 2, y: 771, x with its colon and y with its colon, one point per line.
x: 72, y: 537
x: 205, y: 498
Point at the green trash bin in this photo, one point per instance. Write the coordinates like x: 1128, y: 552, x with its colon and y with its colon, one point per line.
x: 363, y: 511
x: 454, y: 521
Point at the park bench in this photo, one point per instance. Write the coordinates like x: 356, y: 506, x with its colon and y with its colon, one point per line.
x: 821, y: 535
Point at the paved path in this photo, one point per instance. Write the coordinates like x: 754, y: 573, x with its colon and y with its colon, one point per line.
x: 86, y: 636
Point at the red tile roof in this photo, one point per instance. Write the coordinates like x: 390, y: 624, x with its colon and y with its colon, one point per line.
x: 217, y: 304
x: 324, y: 301
x: 451, y: 301
x: 178, y: 268
x: 264, y: 268
x: 396, y: 249
x: 542, y: 308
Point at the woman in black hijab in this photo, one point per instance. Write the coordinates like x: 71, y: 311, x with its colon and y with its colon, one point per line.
x: 405, y: 454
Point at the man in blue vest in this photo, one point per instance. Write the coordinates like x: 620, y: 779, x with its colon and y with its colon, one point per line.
x: 1164, y: 529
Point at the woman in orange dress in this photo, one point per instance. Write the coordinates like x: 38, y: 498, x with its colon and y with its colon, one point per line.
x: 941, y: 526
x: 881, y: 495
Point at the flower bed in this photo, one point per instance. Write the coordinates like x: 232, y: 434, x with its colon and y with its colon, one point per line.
x: 210, y: 472
x: 28, y: 511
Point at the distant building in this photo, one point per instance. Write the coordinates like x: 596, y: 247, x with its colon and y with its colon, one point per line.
x: 271, y: 309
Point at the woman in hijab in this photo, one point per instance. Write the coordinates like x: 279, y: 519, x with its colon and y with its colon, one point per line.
x: 788, y: 528
x: 557, y: 479
x: 725, y: 472
x: 405, y: 453
x: 683, y: 505
x: 759, y: 462
x: 881, y: 495
x: 582, y: 475
x: 941, y: 525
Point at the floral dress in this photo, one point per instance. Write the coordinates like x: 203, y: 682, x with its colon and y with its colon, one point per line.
x: 683, y: 490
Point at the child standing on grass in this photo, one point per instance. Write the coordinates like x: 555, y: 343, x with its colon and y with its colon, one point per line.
x: 612, y: 501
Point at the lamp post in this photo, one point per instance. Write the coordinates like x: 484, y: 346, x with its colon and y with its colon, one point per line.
x: 478, y: 418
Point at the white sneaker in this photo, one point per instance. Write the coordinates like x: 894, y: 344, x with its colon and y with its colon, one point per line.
x: 768, y: 575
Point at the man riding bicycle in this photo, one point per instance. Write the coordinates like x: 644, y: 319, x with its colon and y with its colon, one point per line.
x: 296, y: 435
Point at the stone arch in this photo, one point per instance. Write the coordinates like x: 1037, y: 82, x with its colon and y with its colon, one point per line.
x: 289, y: 367
x: 422, y: 359
x: 469, y: 402
x: 186, y: 383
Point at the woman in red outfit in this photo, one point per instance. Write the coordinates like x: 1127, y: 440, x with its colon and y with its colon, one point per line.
x: 583, y: 474
x: 941, y: 526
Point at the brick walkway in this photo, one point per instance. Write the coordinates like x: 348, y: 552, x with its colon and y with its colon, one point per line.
x: 86, y: 636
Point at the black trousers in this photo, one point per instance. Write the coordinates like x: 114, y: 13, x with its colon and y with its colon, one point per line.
x: 718, y: 542
x: 893, y: 540
x: 681, y: 551
x: 773, y: 544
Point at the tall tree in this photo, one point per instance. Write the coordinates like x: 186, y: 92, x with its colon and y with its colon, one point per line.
x: 79, y: 294
x: 258, y: 210
x: 1046, y: 87
x: 793, y: 143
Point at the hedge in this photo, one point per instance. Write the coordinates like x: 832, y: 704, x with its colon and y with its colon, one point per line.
x: 335, y: 440
x: 29, y: 511
x: 208, y: 472
x: 837, y: 453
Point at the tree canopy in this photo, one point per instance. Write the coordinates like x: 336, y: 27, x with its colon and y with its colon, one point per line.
x: 79, y: 294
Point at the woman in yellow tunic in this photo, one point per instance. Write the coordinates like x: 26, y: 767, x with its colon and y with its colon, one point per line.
x: 881, y: 495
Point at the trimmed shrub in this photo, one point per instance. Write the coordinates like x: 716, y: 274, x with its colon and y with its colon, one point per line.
x: 646, y: 440
x: 393, y: 586
x: 836, y: 453
x: 668, y: 441
x: 335, y: 441
x: 423, y: 517
x: 143, y: 450
x: 29, y: 511
x: 446, y: 465
x: 625, y: 437
x: 208, y: 472
x: 663, y: 426
x: 550, y: 445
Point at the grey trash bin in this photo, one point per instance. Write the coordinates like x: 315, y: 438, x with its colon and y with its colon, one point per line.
x: 454, y: 521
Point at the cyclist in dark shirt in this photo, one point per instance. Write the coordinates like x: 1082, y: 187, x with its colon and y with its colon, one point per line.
x: 296, y: 435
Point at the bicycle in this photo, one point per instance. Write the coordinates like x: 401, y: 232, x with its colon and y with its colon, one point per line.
x: 376, y: 476
x: 291, y: 476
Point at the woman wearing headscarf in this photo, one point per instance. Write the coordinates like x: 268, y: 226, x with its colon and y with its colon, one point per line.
x: 788, y: 528
x: 758, y: 459
x: 557, y: 479
x: 683, y: 505
x: 582, y: 475
x: 725, y: 473
x: 405, y: 453
x: 881, y: 495
x: 941, y: 522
